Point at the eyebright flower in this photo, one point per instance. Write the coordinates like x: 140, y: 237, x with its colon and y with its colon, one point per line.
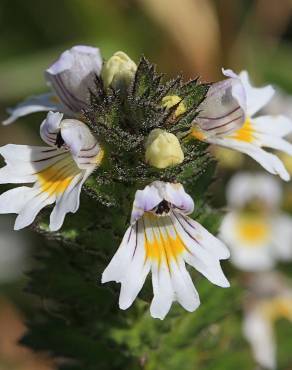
x: 163, y: 149
x: 70, y: 77
x: 256, y: 231
x: 58, y: 171
x: 226, y: 118
x: 269, y: 301
x: 119, y: 70
x: 161, y: 238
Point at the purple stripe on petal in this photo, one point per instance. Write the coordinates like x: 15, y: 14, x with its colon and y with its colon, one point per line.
x: 220, y: 117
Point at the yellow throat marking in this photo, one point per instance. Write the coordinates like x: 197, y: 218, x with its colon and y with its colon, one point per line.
x: 198, y: 134
x: 55, y: 179
x: 163, y: 247
x: 245, y: 133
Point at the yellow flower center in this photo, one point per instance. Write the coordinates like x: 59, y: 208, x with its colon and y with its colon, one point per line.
x: 245, y: 133
x: 161, y: 246
x: 253, y: 230
x: 55, y: 179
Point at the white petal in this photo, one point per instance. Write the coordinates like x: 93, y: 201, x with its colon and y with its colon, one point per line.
x: 199, y: 254
x: 206, y: 239
x: 163, y: 291
x: 145, y: 200
x: 269, y: 161
x: 257, y: 98
x: 148, y: 198
x: 50, y: 128
x: 176, y: 195
x: 13, y: 200
x: 30, y: 210
x: 82, y: 144
x: 223, y: 109
x: 185, y: 292
x: 229, y: 73
x: 136, y: 273
x: 67, y: 202
x: 40, y: 103
x: 274, y: 142
x: 282, y: 237
x: 244, y: 187
x: 73, y: 74
x: 274, y: 125
x: 172, y: 283
x: 259, y: 332
x: 238, y: 90
x: 24, y: 162
x: 27, y: 153
x: 269, y: 131
x: 20, y: 174
x: 129, y: 266
x: 117, y: 268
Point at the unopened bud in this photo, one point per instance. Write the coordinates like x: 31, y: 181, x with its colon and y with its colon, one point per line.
x: 170, y: 101
x: 118, y: 71
x: 163, y: 149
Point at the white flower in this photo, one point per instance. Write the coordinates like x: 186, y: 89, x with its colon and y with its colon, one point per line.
x: 256, y: 231
x: 71, y: 77
x: 269, y: 301
x: 58, y: 171
x: 161, y: 238
x: 234, y: 125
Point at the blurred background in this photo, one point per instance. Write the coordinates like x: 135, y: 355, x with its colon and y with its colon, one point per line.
x: 192, y: 37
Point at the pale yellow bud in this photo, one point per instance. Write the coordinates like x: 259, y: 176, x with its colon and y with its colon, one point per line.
x: 163, y: 149
x: 171, y: 100
x: 118, y: 71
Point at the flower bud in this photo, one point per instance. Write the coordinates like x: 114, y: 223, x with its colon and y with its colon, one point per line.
x: 171, y: 100
x: 163, y: 149
x: 118, y: 71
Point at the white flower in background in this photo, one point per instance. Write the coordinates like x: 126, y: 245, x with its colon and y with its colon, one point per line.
x: 270, y: 299
x: 58, y: 171
x: 256, y: 231
x: 161, y: 238
x: 70, y: 77
x: 226, y: 118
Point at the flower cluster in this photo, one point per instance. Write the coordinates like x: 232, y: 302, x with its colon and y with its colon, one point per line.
x: 111, y: 114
